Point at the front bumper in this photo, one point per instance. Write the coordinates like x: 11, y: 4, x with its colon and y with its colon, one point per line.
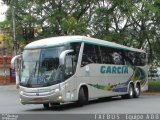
x: 52, y: 96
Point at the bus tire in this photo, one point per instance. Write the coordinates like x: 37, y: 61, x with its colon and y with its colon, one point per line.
x: 46, y: 105
x: 82, y: 98
x: 130, y: 92
x: 137, y: 91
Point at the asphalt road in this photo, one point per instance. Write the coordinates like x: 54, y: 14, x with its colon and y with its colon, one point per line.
x: 147, y: 103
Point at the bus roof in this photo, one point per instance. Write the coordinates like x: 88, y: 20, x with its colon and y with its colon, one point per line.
x: 62, y: 40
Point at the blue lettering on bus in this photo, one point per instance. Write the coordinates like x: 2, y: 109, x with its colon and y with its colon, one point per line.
x: 114, y: 69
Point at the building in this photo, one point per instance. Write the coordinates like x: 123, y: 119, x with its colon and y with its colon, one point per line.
x: 6, y: 73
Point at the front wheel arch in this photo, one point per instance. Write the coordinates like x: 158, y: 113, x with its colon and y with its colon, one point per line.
x: 82, y: 96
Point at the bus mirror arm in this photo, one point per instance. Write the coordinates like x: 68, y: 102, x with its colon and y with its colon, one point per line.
x: 13, y: 61
x: 62, y: 61
x: 63, y: 55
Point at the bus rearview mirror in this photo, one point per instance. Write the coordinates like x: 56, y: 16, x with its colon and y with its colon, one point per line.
x: 15, y: 65
x: 14, y: 61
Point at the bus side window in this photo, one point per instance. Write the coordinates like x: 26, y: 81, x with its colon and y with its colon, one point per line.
x: 136, y: 58
x: 140, y: 59
x: 143, y: 58
x: 130, y: 57
x: 97, y: 54
x: 76, y: 47
x: 137, y: 61
x: 106, y: 54
x: 117, y: 57
x: 89, y: 55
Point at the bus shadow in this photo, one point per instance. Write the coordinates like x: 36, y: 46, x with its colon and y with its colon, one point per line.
x: 68, y: 106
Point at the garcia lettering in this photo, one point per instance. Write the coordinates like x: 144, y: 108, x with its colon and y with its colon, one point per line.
x: 114, y: 69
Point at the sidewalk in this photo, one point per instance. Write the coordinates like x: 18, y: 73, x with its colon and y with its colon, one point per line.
x: 9, y: 87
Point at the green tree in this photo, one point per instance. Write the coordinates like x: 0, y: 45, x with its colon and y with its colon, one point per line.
x: 134, y: 23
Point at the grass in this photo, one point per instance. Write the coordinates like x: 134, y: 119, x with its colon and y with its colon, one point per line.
x: 154, y: 86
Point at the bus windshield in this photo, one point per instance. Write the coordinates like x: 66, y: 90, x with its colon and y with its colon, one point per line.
x: 40, y: 67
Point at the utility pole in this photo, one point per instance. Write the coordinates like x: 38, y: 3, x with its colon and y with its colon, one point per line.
x: 14, y: 30
x: 4, y: 65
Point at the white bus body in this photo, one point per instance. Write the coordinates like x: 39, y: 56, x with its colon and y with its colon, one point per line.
x: 77, y: 69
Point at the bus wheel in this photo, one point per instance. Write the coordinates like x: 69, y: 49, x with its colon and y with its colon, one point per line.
x: 46, y: 106
x: 82, y: 97
x: 130, y: 93
x: 137, y: 91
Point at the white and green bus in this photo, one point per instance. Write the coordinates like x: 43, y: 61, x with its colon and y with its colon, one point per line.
x: 77, y: 69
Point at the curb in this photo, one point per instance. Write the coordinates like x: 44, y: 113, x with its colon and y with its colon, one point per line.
x: 151, y: 93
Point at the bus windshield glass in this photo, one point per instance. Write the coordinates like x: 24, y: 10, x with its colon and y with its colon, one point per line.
x: 40, y: 67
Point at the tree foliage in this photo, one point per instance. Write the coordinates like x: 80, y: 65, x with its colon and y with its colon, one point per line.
x: 134, y: 23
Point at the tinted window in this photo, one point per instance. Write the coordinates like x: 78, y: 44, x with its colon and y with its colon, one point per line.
x: 98, y: 54
x: 130, y: 58
x: 107, y: 55
x: 136, y: 58
x: 143, y: 59
x: 112, y: 56
x: 117, y: 57
x: 76, y: 47
x: 90, y: 54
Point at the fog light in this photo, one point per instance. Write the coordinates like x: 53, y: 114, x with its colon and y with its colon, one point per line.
x: 21, y: 92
